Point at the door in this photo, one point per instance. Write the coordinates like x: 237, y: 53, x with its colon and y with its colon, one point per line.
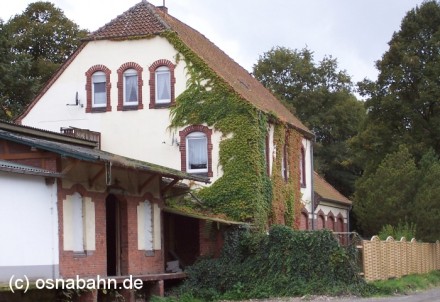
x: 113, y: 236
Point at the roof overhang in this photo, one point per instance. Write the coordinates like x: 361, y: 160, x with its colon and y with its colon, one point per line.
x: 203, y: 217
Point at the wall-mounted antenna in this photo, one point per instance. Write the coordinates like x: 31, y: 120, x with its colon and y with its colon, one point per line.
x: 77, y: 102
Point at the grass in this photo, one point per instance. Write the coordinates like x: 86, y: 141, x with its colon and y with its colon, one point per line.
x: 405, y: 284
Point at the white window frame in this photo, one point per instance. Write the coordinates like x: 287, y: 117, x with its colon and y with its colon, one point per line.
x: 95, y: 81
x: 196, y: 136
x: 130, y: 73
x: 162, y: 70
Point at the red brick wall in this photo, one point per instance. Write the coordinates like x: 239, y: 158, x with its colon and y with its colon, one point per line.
x: 94, y: 263
x: 211, y: 238
x: 133, y: 261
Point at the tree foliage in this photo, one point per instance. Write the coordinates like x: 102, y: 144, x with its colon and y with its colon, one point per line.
x: 403, y: 104
x: 387, y: 196
x: 33, y: 45
x: 321, y: 96
x: 403, y: 107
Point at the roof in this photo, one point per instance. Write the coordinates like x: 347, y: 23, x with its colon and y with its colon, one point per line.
x: 36, y: 132
x: 202, y: 216
x: 146, y: 20
x: 95, y: 155
x: 327, y: 192
x: 8, y: 166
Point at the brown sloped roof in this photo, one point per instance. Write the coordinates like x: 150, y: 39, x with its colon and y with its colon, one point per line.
x: 327, y: 191
x: 145, y: 19
x: 140, y: 20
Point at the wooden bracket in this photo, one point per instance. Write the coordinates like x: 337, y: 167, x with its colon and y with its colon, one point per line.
x: 143, y: 185
x: 169, y: 186
x: 94, y: 178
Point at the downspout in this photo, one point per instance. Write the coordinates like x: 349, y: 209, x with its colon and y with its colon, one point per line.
x: 312, y: 185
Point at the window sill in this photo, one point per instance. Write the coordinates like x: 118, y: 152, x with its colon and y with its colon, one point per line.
x: 80, y: 254
x: 149, y: 253
x: 130, y: 107
x: 98, y: 109
x: 161, y: 106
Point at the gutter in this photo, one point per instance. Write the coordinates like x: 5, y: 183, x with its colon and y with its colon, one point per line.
x: 312, y: 184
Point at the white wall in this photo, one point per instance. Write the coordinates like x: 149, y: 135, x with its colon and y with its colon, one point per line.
x: 29, y: 227
x: 141, y: 134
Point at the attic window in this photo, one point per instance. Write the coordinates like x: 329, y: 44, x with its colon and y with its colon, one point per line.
x: 162, y: 84
x: 130, y: 87
x: 98, y: 89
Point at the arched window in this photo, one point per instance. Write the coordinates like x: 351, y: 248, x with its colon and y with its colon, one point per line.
x: 196, y: 153
x: 161, y: 84
x: 98, y: 89
x: 304, y: 220
x: 331, y: 222
x: 130, y: 86
x: 196, y: 150
x: 340, y: 224
x: 320, y: 221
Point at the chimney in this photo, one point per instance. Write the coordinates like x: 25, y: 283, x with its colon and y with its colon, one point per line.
x: 163, y: 8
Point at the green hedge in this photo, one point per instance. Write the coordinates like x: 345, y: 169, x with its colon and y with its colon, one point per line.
x: 283, y: 262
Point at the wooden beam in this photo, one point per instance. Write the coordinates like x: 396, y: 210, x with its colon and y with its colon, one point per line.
x: 142, y: 186
x: 169, y: 186
x: 94, y: 178
x: 33, y: 155
x: 70, y: 165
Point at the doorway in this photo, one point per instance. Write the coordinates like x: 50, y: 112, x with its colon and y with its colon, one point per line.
x: 113, y: 235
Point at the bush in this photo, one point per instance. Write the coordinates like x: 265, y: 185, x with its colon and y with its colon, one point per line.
x: 283, y: 263
x: 407, y: 230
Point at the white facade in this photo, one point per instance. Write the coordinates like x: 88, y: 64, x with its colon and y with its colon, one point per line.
x: 29, y: 235
x: 142, y: 134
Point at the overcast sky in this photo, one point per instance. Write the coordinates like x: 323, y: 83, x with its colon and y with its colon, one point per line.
x: 355, y: 32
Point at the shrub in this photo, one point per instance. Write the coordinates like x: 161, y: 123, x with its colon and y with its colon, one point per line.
x: 283, y: 262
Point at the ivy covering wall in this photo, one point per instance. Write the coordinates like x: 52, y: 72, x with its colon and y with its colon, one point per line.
x: 244, y: 192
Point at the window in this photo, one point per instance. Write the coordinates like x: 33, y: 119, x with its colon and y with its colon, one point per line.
x: 149, y: 227
x: 302, y: 167
x: 130, y: 87
x: 98, y: 89
x: 284, y: 164
x: 196, y: 150
x: 162, y: 84
x: 197, y: 153
x: 78, y: 223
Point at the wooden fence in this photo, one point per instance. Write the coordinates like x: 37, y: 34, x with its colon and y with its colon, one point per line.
x: 393, y: 259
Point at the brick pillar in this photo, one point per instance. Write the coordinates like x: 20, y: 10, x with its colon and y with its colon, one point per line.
x: 89, y: 296
x: 128, y: 294
x: 158, y: 288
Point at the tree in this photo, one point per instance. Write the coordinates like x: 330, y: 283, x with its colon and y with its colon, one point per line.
x: 387, y: 195
x: 16, y: 84
x: 427, y: 200
x: 403, y: 104
x: 403, y: 109
x: 321, y: 97
x: 33, y: 45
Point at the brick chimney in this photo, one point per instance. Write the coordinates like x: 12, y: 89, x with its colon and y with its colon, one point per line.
x: 163, y: 8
